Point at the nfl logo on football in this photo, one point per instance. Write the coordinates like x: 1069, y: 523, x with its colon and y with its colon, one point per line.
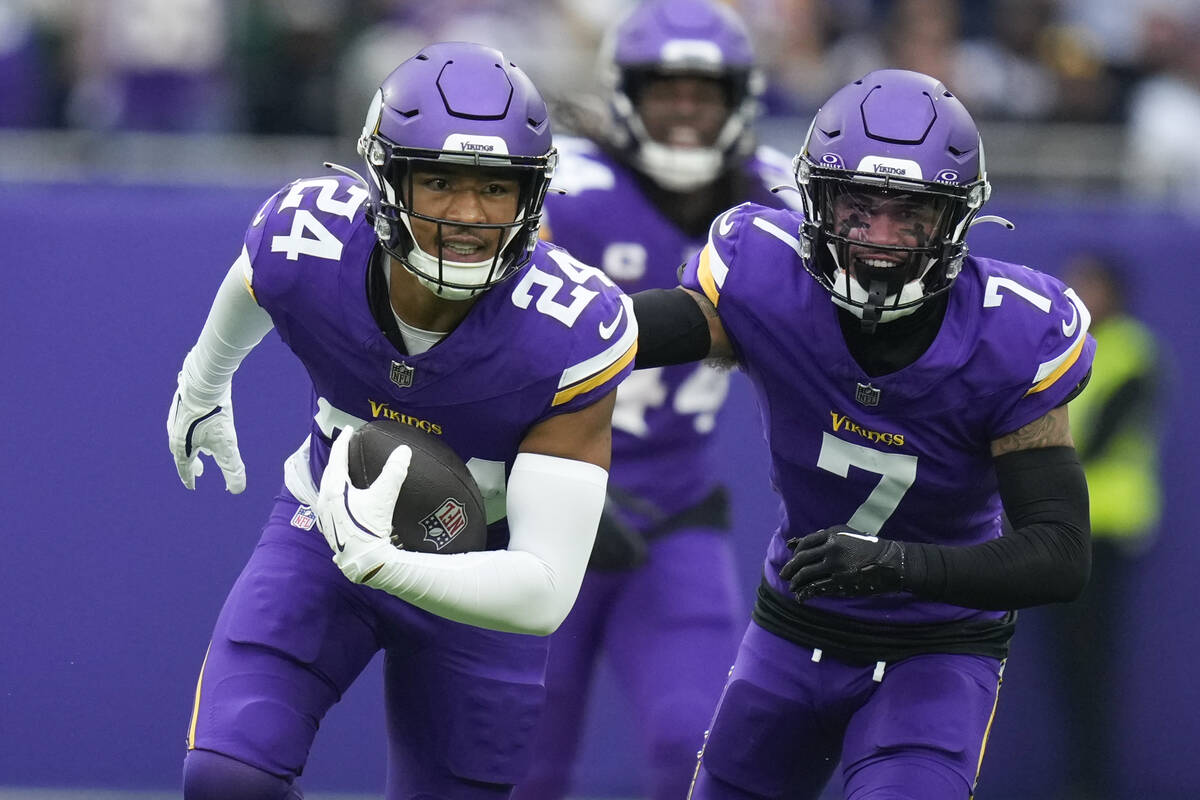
x: 445, y: 523
x: 401, y: 374
x: 866, y: 395
x: 304, y: 518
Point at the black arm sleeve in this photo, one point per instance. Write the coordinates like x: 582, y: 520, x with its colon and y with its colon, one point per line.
x: 671, y: 328
x: 1045, y: 558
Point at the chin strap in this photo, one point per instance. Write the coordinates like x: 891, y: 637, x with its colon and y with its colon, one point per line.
x: 876, y: 296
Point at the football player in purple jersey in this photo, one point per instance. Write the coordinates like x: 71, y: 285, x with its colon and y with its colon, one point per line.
x: 640, y: 193
x: 910, y: 393
x: 422, y: 294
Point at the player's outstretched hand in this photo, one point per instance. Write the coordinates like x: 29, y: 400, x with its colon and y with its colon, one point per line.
x: 194, y: 428
x: 357, y: 523
x: 844, y: 562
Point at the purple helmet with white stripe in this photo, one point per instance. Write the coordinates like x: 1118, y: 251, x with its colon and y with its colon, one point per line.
x: 900, y: 143
x: 681, y: 37
x: 456, y: 103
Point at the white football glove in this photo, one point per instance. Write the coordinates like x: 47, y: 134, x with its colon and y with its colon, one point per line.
x: 357, y: 523
x: 194, y: 428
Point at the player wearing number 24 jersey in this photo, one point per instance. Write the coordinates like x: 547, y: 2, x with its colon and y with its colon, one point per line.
x: 421, y: 294
x: 910, y: 393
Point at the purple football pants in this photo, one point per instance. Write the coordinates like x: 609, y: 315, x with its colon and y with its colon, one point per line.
x: 669, y: 630
x: 462, y: 702
x: 785, y: 720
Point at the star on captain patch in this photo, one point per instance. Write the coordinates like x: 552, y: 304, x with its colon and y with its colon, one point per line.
x: 401, y: 374
x: 866, y: 394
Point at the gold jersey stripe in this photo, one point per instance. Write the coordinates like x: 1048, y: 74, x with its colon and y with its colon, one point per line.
x: 704, y: 272
x: 250, y: 289
x: 599, y: 378
x: 1067, y: 363
x: 191, y: 737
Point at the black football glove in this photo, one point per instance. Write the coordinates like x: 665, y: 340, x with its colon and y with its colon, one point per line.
x: 841, y: 561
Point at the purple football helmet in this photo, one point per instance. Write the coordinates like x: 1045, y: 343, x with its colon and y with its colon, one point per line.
x: 681, y: 37
x: 456, y: 103
x: 901, y: 142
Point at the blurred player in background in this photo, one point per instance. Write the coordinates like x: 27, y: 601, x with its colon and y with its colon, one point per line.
x: 421, y: 294
x: 660, y: 601
x: 909, y: 392
x: 1116, y: 426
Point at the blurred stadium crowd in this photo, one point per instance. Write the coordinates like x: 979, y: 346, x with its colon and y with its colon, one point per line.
x: 307, y: 67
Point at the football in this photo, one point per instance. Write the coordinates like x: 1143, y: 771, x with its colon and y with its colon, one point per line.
x: 440, y: 508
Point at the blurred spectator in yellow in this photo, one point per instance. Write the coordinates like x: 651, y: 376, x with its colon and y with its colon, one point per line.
x: 1115, y: 427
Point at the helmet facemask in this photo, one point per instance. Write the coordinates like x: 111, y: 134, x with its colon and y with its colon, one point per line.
x: 882, y: 245
x: 401, y: 226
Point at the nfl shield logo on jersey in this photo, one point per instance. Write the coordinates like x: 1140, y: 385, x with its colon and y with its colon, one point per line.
x: 866, y: 395
x: 444, y: 524
x: 402, y: 374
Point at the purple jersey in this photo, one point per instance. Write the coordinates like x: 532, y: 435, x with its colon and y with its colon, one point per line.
x: 554, y: 338
x: 904, y: 455
x: 665, y: 416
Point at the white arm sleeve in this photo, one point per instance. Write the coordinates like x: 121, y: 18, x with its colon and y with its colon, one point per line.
x: 235, y: 325
x: 554, y: 507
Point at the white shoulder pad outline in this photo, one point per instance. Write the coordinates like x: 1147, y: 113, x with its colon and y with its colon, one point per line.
x: 711, y: 269
x: 600, y: 368
x: 1048, y: 372
x: 775, y: 172
x: 579, y: 170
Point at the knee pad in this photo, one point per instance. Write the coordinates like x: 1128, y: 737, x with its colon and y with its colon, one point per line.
x: 212, y: 776
x: 753, y: 743
x: 492, y: 730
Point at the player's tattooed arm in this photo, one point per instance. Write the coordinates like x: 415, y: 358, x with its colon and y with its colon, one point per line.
x: 722, y: 348
x: 1051, y: 430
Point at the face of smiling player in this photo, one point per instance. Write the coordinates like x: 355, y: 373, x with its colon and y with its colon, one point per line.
x: 897, y: 222
x: 683, y: 111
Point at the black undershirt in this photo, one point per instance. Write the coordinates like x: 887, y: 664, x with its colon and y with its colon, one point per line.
x: 896, y: 344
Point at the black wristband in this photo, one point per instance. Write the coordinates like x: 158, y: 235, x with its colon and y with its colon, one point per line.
x: 671, y: 328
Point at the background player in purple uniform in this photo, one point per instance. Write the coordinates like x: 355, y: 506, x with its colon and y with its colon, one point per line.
x: 422, y: 295
x: 660, y: 601
x: 902, y: 418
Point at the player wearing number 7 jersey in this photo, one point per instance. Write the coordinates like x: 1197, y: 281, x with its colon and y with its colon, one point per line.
x: 421, y: 294
x: 902, y: 419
